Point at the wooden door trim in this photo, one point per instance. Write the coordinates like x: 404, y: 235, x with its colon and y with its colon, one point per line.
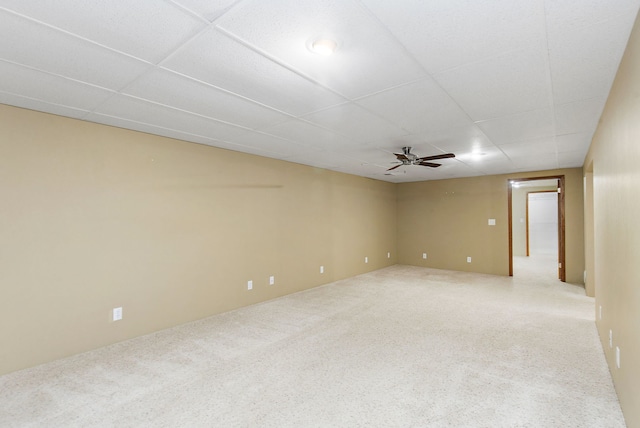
x: 561, y: 220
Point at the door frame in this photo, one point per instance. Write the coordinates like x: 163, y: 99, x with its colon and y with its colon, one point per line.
x: 561, y: 221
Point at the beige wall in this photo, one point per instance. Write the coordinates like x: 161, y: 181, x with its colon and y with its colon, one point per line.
x: 519, y: 210
x: 614, y: 160
x: 95, y: 217
x: 448, y: 219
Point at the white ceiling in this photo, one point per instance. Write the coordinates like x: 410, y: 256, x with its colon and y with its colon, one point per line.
x: 506, y: 85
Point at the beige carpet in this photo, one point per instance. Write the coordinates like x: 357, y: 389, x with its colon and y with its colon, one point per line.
x: 399, y: 347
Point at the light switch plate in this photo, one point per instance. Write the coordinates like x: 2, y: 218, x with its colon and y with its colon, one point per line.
x: 468, y: 259
x: 117, y: 314
x: 424, y: 256
x: 321, y: 269
x: 249, y: 285
x: 272, y: 280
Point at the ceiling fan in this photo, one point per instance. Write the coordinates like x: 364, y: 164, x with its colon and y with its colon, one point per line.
x: 408, y: 158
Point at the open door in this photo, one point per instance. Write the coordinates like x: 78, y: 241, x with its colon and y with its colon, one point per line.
x: 559, y: 179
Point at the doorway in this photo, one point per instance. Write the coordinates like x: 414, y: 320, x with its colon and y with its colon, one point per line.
x: 542, y: 223
x: 544, y: 236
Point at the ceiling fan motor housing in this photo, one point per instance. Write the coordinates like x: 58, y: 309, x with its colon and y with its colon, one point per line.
x: 411, y: 158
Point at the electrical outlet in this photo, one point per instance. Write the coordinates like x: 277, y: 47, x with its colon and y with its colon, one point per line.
x: 366, y: 259
x: 424, y: 256
x: 610, y: 338
x: 388, y: 255
x: 249, y: 285
x: 468, y: 259
x: 321, y: 269
x: 117, y: 314
x: 492, y: 222
x: 617, y: 356
x: 272, y: 280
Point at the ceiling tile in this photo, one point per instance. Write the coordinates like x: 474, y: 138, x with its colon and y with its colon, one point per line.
x: 323, y: 159
x: 168, y: 88
x: 566, y: 13
x: 571, y: 159
x: 280, y: 146
x: 519, y: 127
x: 308, y: 134
x: 284, y: 30
x: 463, y: 138
x: 137, y: 110
x: 574, y: 142
x: 493, y: 167
x: 250, y: 75
x: 145, y: 29
x: 355, y: 122
x: 447, y: 34
x: 375, y: 156
x: 38, y: 105
x: 151, y: 129
x: 531, y: 148
x: 482, y: 156
x: 579, y: 116
x: 535, y: 163
x: 34, y: 45
x: 49, y: 88
x: 584, y: 59
x: 515, y: 82
x: 417, y: 107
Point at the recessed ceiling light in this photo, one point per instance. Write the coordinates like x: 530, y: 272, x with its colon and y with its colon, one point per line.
x: 324, y: 46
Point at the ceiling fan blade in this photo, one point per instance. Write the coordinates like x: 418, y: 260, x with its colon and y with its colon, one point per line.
x: 444, y: 156
x: 401, y: 156
x: 432, y: 165
x: 394, y: 167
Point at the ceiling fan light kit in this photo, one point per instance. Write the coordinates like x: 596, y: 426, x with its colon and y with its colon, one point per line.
x: 408, y: 158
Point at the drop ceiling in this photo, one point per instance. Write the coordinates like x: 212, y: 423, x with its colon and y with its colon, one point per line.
x: 506, y: 85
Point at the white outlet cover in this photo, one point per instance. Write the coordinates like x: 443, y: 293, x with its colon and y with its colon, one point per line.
x: 249, y: 285
x: 321, y: 269
x: 388, y: 255
x: 468, y: 259
x: 117, y: 314
x: 272, y: 280
x: 492, y: 222
x: 366, y: 259
x: 424, y: 255
x: 617, y: 356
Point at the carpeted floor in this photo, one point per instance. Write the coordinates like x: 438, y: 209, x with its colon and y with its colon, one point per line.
x: 399, y: 347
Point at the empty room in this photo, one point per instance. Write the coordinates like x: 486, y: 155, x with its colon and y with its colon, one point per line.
x: 354, y: 213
